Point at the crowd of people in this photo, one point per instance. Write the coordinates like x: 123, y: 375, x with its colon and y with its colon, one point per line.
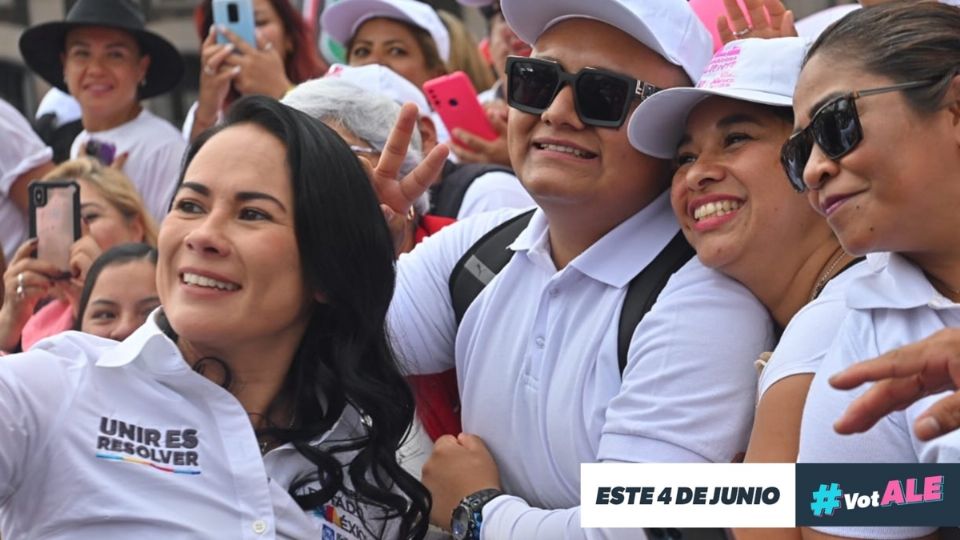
x: 315, y: 311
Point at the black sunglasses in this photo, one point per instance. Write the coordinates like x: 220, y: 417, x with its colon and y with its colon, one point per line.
x: 602, y: 98
x: 835, y: 128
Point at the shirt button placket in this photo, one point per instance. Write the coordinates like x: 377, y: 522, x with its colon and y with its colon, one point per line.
x: 259, y: 526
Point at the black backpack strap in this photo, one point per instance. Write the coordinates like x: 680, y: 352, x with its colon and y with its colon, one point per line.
x: 446, y: 196
x: 644, y: 289
x: 483, y: 261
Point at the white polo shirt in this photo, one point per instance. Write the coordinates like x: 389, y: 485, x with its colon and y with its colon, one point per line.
x: 106, y: 440
x: 891, y: 306
x: 808, y: 335
x: 536, y: 358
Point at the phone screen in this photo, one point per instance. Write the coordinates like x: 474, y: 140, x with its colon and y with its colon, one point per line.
x: 55, y: 220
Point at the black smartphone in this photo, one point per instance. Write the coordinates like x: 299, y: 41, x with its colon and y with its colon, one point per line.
x: 55, y: 220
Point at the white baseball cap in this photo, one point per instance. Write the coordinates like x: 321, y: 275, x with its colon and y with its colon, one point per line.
x: 763, y: 71
x: 669, y: 27
x: 381, y: 80
x: 343, y: 19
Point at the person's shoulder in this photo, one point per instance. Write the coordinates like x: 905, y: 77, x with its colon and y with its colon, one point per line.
x: 69, y: 347
x: 54, y: 365
x: 693, y: 278
x: 467, y: 231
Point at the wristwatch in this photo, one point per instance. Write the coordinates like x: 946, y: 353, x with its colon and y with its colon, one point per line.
x: 468, y: 515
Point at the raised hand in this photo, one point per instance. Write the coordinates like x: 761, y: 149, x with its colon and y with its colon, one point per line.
x: 767, y: 19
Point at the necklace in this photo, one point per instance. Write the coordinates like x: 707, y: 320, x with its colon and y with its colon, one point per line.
x: 825, y: 275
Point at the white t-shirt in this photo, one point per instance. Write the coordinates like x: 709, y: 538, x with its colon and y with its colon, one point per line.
x: 156, y: 150
x: 536, y: 358
x: 891, y: 306
x: 124, y: 440
x: 808, y: 335
x: 20, y: 151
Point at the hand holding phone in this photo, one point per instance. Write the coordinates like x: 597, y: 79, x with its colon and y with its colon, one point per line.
x: 237, y: 16
x: 455, y: 100
x: 55, y: 221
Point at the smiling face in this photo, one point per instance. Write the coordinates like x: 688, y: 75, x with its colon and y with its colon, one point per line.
x: 730, y: 193
x: 391, y: 43
x: 103, y: 68
x: 589, y: 172
x: 121, y: 300
x: 895, y: 189
x: 229, y: 272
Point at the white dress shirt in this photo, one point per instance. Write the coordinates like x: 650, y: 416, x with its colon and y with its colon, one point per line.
x: 104, y: 440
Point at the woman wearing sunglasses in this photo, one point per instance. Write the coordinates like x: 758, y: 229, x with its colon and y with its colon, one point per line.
x: 738, y: 211
x: 878, y: 104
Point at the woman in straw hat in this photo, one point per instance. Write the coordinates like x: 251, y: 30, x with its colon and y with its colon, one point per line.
x: 103, y: 55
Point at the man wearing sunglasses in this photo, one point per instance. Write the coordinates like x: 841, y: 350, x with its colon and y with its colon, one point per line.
x: 536, y: 351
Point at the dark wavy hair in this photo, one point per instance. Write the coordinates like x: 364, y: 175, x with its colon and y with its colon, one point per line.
x: 904, y: 41
x: 120, y: 254
x: 301, y: 64
x: 344, y: 358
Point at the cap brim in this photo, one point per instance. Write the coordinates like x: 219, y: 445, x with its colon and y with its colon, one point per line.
x: 42, y: 47
x: 659, y: 122
x: 343, y: 19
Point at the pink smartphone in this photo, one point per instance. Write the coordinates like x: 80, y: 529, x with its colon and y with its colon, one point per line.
x: 455, y: 100
x: 55, y: 220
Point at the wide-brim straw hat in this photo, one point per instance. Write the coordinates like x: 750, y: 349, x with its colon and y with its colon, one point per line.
x: 43, y: 45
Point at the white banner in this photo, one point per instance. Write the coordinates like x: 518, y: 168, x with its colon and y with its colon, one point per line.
x: 687, y: 495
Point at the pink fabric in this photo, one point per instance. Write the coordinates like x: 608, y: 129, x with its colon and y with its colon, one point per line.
x: 52, y: 319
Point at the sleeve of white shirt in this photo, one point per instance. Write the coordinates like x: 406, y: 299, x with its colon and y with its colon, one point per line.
x: 34, y: 386
x: 420, y: 321
x: 508, y: 517
x: 21, y: 150
x: 494, y: 191
x: 804, y: 342
x: 689, y: 388
x: 687, y: 395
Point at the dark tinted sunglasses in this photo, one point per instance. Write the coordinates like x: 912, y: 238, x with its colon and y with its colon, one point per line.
x: 835, y: 128
x: 602, y: 98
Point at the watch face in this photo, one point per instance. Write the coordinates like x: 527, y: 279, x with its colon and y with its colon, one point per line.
x: 460, y: 523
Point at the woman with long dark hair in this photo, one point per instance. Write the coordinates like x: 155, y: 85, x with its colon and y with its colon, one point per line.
x: 285, y: 55
x: 263, y: 397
